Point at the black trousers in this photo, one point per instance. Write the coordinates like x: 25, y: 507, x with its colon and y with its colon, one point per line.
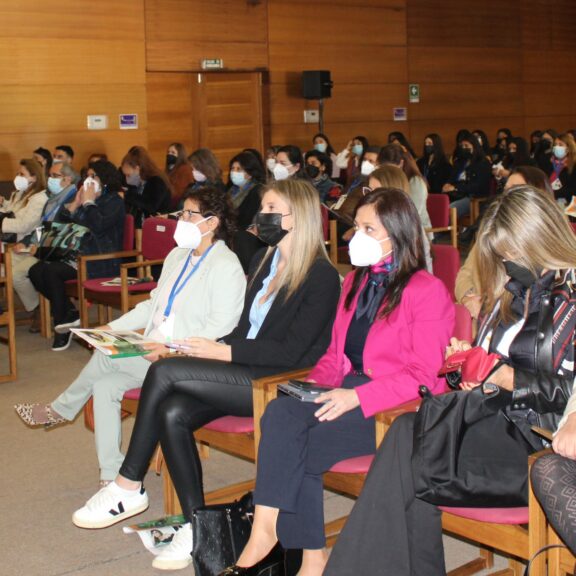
x: 49, y: 279
x: 390, y: 531
x: 180, y: 395
x: 295, y: 450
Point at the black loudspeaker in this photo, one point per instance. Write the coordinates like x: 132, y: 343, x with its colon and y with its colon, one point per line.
x: 316, y: 84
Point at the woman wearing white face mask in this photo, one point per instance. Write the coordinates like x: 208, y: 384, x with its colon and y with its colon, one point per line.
x: 200, y: 293
x: 22, y: 213
x: 393, y: 322
x: 289, y: 163
x: 285, y: 324
x: 563, y: 176
x: 205, y: 170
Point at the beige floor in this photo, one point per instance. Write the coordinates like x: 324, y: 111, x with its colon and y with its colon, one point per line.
x: 46, y: 475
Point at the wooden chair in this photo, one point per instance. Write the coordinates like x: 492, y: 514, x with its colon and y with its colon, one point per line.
x: 74, y: 288
x: 7, y: 319
x: 157, y: 242
x: 445, y: 265
x: 475, y: 207
x: 442, y: 217
x: 330, y: 235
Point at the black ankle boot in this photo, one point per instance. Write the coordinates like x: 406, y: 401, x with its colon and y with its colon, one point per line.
x: 272, y: 565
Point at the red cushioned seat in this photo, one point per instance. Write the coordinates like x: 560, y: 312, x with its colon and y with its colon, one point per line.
x: 358, y: 465
x: 96, y: 286
x: 491, y: 515
x: 232, y: 425
x: 133, y: 394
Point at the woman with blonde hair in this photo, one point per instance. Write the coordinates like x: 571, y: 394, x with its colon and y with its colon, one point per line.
x: 527, y: 256
x: 390, y: 176
x: 288, y: 312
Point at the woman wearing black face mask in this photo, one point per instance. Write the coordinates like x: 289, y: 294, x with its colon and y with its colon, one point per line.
x: 285, y: 324
x: 318, y: 168
x: 470, y: 176
x: 179, y: 172
x: 543, y: 151
x: 433, y: 163
x: 527, y: 256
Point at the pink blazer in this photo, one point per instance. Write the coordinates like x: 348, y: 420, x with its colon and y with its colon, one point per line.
x: 401, y: 352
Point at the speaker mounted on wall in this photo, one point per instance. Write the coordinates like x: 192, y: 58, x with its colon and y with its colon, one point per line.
x: 316, y: 84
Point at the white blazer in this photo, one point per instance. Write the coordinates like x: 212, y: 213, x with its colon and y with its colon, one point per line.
x: 26, y: 218
x: 214, y: 296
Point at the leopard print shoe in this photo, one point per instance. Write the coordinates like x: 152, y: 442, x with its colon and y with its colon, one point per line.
x: 25, y: 411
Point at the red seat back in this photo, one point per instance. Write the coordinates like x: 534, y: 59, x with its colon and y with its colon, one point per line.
x: 325, y: 223
x: 438, y: 206
x: 445, y: 264
x: 129, y: 234
x: 157, y: 237
x: 463, y: 325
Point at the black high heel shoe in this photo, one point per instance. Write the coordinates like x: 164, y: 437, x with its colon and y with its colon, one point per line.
x: 271, y: 565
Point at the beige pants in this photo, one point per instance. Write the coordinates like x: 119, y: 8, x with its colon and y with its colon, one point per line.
x: 21, y: 263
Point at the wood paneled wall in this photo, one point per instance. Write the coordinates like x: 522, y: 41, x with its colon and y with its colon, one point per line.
x: 480, y: 65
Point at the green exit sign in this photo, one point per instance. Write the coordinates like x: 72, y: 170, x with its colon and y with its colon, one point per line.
x: 414, y: 93
x: 212, y: 64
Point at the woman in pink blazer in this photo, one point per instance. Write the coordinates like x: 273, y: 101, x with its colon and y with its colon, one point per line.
x: 393, y: 324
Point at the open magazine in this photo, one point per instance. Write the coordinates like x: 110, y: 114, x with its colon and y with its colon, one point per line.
x: 156, y: 534
x: 115, y: 343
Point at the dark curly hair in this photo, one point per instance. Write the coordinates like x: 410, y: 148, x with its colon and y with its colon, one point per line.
x: 212, y: 202
x: 108, y: 174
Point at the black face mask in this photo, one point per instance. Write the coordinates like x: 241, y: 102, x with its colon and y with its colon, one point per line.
x: 464, y: 153
x: 269, y: 226
x: 545, y: 144
x: 428, y: 150
x: 520, y: 273
x: 312, y: 171
x: 171, y: 160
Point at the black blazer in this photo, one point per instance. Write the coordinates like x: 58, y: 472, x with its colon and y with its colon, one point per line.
x: 436, y: 174
x: 295, y: 332
x: 154, y: 198
x: 477, y: 182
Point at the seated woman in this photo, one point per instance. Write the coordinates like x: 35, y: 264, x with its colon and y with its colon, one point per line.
x: 178, y: 171
x: 470, y: 177
x: 433, y: 164
x: 98, y: 207
x: 148, y: 187
x: 350, y: 159
x: 247, y: 176
x: 206, y: 169
x: 527, y: 255
x: 393, y: 322
x: 319, y: 168
x: 201, y: 268
x: 390, y: 176
x: 286, y: 321
x: 289, y: 163
x: 563, y: 176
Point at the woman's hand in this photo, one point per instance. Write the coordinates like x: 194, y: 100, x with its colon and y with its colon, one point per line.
x: 503, y: 377
x: 156, y: 350
x: 205, y: 348
x: 456, y: 346
x: 89, y: 193
x: 335, y: 403
x: 448, y: 188
x: 22, y: 249
x: 473, y: 303
x: 564, y: 442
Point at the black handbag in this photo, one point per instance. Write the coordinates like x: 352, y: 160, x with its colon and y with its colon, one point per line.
x: 219, y: 533
x: 467, y: 452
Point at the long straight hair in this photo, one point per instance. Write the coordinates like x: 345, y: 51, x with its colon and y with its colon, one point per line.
x: 399, y: 216
x: 525, y: 225
x: 34, y: 169
x: 307, y: 237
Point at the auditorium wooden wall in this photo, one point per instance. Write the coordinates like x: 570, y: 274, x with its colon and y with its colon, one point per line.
x: 479, y: 65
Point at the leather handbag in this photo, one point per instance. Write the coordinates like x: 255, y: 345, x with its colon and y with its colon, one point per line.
x: 475, y: 364
x: 467, y: 452
x: 219, y: 533
x: 61, y: 242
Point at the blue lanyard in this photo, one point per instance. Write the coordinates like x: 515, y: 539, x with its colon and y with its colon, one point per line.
x: 177, y: 287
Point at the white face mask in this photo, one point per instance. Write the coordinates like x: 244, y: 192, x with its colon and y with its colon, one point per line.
x: 91, y: 180
x: 198, y: 176
x: 188, y: 235
x: 365, y: 250
x: 21, y: 183
x: 270, y: 163
x: 367, y: 168
x: 280, y: 172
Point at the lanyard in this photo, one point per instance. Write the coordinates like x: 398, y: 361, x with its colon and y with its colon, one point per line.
x: 178, y: 287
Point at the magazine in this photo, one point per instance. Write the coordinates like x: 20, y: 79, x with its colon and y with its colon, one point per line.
x: 118, y: 281
x: 156, y: 534
x: 115, y: 343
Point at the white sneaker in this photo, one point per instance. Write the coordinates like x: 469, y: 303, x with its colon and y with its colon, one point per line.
x: 177, y: 554
x: 110, y: 505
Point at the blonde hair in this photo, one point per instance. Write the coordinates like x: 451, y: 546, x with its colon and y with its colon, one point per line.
x: 568, y: 139
x: 391, y: 176
x: 525, y: 225
x: 34, y: 169
x: 307, y: 235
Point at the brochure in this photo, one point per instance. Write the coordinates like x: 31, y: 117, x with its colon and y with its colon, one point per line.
x: 156, y: 534
x: 115, y: 343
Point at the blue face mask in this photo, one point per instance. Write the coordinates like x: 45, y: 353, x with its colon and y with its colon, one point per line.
x: 559, y: 152
x: 358, y: 149
x: 238, y: 178
x: 320, y: 146
x: 55, y: 185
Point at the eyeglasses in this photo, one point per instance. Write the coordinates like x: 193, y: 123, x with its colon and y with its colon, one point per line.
x: 366, y: 190
x: 186, y: 214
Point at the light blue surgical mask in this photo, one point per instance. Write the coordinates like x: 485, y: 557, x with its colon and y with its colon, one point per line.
x: 559, y: 152
x: 55, y: 185
x: 320, y: 146
x: 238, y: 178
x: 358, y: 149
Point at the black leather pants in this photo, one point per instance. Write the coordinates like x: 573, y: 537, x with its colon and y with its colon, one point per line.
x: 180, y: 395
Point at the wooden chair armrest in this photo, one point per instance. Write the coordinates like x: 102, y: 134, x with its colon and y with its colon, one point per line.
x: 109, y: 256
x: 142, y: 264
x: 386, y: 418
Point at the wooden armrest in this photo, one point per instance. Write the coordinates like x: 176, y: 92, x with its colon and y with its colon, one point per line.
x: 271, y: 382
x: 143, y: 264
x: 109, y: 255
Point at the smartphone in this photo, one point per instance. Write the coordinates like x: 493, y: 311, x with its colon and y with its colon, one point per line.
x: 174, y: 346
